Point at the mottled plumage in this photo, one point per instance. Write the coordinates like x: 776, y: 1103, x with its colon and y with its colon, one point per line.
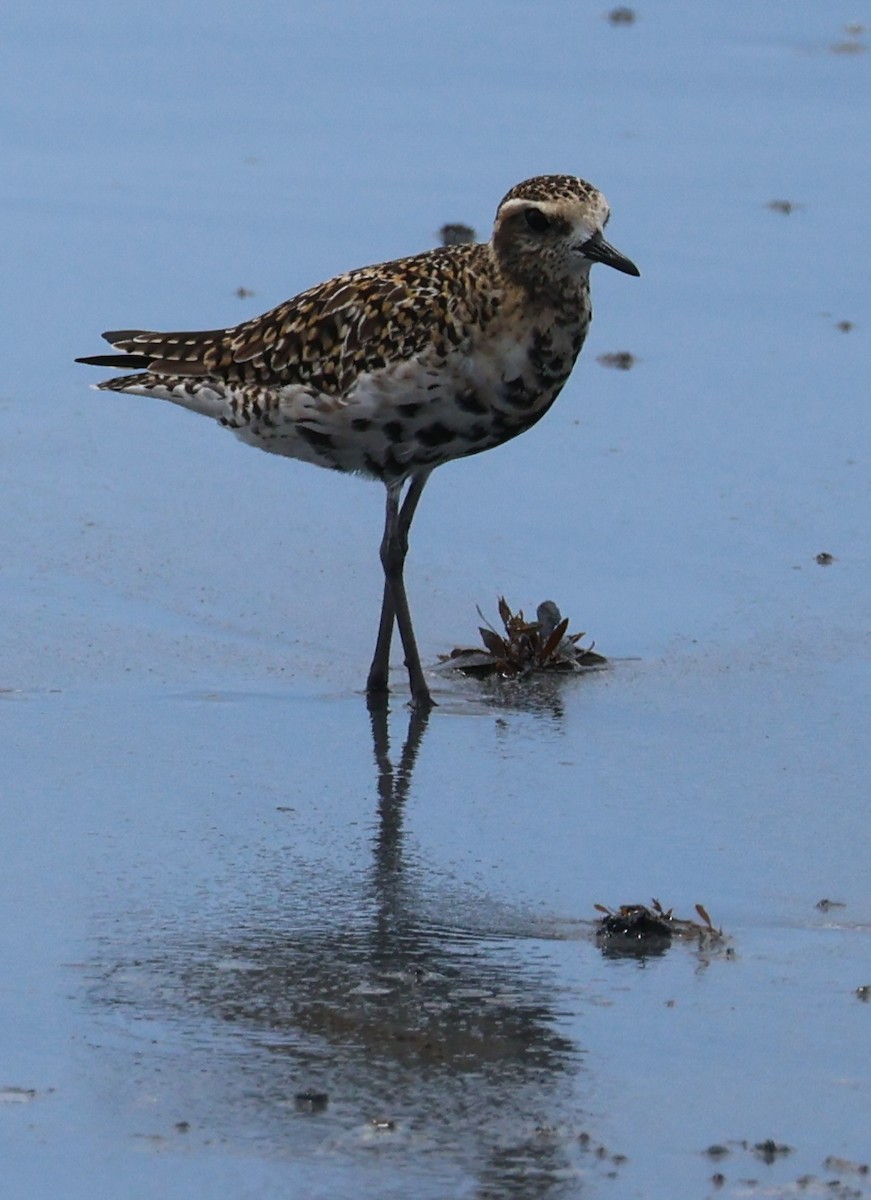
x: 393, y: 369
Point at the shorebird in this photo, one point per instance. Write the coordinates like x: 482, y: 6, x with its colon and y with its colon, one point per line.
x: 391, y: 370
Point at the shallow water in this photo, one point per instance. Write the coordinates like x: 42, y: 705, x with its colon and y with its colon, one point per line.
x: 225, y: 884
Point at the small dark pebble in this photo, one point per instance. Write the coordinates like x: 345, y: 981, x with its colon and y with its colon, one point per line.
x: 620, y: 360
x: 769, y: 1150
x: 456, y: 234
x: 622, y: 16
x: 310, y: 1101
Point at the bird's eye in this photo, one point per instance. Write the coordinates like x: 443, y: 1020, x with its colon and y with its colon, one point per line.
x: 536, y: 220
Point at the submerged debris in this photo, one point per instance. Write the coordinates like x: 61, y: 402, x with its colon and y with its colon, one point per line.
x: 621, y: 16
x: 311, y: 1101
x: 456, y: 234
x: 717, y: 1151
x: 16, y: 1095
x: 634, y: 929
x: 835, y: 1163
x: 851, y: 47
x: 620, y: 360
x: 525, y: 647
x: 769, y: 1150
x: 782, y: 206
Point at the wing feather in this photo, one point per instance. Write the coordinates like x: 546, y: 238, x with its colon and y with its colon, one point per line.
x: 323, y: 338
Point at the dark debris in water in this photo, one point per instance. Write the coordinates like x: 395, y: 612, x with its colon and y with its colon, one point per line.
x: 770, y: 1152
x: 717, y: 1151
x: 849, y: 47
x: 846, y: 1165
x: 622, y: 15
x: 525, y: 647
x: 783, y: 206
x: 311, y: 1101
x: 18, y: 1095
x: 455, y: 233
x: 635, y: 929
x: 619, y: 360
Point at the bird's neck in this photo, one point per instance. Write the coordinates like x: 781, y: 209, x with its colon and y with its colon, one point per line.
x: 536, y: 288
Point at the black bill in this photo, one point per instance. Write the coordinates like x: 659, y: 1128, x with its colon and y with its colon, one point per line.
x: 598, y: 250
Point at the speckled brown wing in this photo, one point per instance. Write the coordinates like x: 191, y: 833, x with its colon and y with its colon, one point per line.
x: 324, y: 337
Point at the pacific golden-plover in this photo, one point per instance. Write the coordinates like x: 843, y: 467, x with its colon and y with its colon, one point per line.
x: 389, y: 371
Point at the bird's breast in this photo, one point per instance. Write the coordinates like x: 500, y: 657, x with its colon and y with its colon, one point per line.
x: 430, y: 408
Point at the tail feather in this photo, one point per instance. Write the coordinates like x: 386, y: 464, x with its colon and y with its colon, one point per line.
x: 137, y: 385
x: 115, y: 337
x: 122, y: 339
x: 191, y: 394
x: 188, y: 354
x: 116, y: 360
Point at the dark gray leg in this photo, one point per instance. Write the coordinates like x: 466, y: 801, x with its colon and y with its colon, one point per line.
x: 394, y: 605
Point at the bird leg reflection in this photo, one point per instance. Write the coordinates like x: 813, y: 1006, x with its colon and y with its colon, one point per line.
x: 393, y: 784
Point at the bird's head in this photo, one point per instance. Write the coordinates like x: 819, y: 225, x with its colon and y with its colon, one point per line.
x: 550, y: 230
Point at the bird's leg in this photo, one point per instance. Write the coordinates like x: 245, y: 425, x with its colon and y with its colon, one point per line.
x: 394, y: 606
x: 377, y: 682
x: 378, y: 672
x: 397, y: 522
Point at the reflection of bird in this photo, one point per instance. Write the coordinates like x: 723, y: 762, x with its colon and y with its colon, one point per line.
x: 391, y: 370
